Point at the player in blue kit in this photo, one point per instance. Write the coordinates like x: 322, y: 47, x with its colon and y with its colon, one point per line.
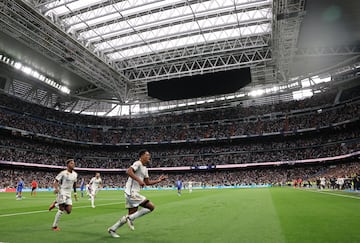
x: 19, y: 188
x: 179, y: 187
x: 82, y: 186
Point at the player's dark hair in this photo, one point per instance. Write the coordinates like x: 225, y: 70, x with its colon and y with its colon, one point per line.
x: 68, y: 161
x: 142, y: 152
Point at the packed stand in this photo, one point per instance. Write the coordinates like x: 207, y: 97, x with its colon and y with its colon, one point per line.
x: 276, y: 176
x: 319, y: 144
x: 220, y: 129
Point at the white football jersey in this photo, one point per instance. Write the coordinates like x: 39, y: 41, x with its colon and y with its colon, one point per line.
x: 140, y: 171
x: 95, y: 183
x: 66, y: 181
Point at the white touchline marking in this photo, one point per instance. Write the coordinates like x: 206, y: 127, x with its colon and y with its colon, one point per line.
x: 43, y: 211
x: 334, y: 194
x: 23, y: 213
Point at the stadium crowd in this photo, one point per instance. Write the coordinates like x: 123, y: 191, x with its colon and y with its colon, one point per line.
x: 283, y: 175
x: 339, y: 134
x: 237, y: 112
x: 327, y: 143
x: 224, y: 128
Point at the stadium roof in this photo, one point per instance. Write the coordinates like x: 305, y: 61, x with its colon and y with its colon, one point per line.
x: 110, y: 49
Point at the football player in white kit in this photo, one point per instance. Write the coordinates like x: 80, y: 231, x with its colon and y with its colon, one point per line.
x: 94, y: 185
x: 138, y: 178
x: 64, y: 183
x: 190, y: 187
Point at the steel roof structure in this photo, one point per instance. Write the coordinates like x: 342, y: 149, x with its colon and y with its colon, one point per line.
x: 118, y: 46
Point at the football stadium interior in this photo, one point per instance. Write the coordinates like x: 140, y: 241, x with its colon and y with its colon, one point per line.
x: 252, y: 103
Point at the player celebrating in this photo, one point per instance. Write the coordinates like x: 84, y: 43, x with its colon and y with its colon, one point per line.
x: 94, y: 185
x: 190, y: 187
x: 138, y: 177
x: 64, y: 182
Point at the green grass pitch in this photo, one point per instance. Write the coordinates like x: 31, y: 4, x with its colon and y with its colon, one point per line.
x: 216, y: 215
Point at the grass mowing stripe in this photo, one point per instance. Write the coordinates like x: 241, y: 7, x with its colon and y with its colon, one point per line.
x: 238, y: 215
x: 316, y: 217
x: 231, y: 215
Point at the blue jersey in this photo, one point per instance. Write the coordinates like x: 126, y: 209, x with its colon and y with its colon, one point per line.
x: 82, y: 185
x: 179, y: 184
x: 20, y: 186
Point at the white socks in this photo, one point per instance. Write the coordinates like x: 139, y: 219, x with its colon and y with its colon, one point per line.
x: 132, y: 217
x: 57, y: 218
x: 118, y: 224
x: 139, y: 213
x: 92, y: 201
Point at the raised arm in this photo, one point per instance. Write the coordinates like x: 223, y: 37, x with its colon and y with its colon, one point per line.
x: 152, y: 182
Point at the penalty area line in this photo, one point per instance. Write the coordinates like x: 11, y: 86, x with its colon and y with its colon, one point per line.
x: 44, y: 211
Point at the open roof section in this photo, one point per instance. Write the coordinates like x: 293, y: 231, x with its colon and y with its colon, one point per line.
x: 166, y: 39
x: 277, y: 58
x: 149, y: 40
x: 127, y: 29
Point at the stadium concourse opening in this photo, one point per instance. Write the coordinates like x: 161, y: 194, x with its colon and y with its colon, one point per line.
x: 195, y: 86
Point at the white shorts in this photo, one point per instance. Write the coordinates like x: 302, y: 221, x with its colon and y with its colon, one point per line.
x: 134, y: 200
x: 63, y: 199
x: 93, y: 191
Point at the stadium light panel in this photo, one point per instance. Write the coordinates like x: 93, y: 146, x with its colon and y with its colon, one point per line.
x: 36, y: 75
x: 33, y: 73
x: 240, y: 95
x: 26, y: 70
x: 256, y: 93
x: 17, y: 65
x: 318, y: 80
x: 305, y: 83
x: 272, y: 90
x: 42, y: 78
x: 302, y: 94
x: 64, y: 89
